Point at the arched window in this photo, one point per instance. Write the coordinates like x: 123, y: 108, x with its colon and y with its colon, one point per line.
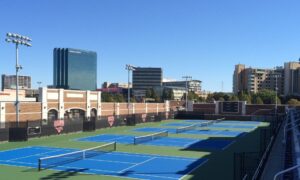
x: 75, y: 114
x: 93, y: 114
x: 52, y: 115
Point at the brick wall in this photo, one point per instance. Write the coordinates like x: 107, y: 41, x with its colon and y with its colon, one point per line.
x: 32, y: 111
x: 205, y: 108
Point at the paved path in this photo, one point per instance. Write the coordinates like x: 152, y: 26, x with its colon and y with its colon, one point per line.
x: 276, y: 157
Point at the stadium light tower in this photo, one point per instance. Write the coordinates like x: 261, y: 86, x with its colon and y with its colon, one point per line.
x: 39, y: 83
x: 129, y: 68
x: 276, y: 90
x: 186, y: 89
x: 17, y: 40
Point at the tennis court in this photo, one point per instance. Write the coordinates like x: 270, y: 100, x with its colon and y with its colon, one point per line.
x: 119, y: 164
x: 215, y: 125
x: 225, y: 121
x: 217, y: 133
x: 190, y: 143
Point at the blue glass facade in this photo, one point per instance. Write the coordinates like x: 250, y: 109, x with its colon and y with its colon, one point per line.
x: 74, y: 69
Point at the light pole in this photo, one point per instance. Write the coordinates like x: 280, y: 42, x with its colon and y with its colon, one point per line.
x: 186, y: 89
x: 39, y: 83
x: 276, y: 89
x: 129, y: 68
x: 18, y: 40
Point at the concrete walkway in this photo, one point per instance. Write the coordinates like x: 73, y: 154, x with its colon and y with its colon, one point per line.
x: 276, y: 158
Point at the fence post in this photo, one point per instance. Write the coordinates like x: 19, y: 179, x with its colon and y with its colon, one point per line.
x: 2, y: 114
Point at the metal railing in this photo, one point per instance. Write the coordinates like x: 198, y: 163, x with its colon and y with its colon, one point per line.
x: 285, y: 171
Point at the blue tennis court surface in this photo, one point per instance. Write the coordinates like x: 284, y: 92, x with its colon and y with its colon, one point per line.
x: 195, y: 121
x: 181, y: 124
x: 225, y: 125
x: 190, y: 143
x: 215, y: 125
x: 225, y: 121
x: 199, y: 132
x: 120, y: 164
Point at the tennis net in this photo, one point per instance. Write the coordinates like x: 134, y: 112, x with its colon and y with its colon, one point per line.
x: 219, y: 120
x: 150, y: 137
x: 186, y: 128
x: 56, y: 160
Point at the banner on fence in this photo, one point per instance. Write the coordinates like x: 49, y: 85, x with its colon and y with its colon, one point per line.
x: 59, y: 125
x: 111, y: 120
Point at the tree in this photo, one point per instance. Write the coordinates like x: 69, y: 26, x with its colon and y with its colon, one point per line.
x: 218, y: 95
x: 267, y: 96
x: 258, y: 100
x: 150, y: 93
x: 245, y: 97
x: 210, y: 98
x: 226, y: 97
x: 167, y: 94
x: 234, y: 98
x: 273, y: 100
x: 106, y: 97
x: 221, y: 99
x: 201, y: 99
x: 293, y: 102
x: 192, y: 96
x: 119, y: 98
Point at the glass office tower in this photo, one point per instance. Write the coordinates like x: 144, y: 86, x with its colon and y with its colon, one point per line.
x: 74, y: 69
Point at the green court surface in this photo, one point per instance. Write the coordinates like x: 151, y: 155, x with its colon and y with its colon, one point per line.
x: 218, y: 166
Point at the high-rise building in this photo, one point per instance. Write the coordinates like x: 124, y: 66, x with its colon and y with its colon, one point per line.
x: 74, y: 69
x: 255, y: 79
x: 192, y: 85
x: 144, y: 78
x: 292, y: 78
x: 9, y: 82
x: 239, y: 79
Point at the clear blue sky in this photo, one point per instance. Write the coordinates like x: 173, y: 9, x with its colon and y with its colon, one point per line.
x: 200, y: 38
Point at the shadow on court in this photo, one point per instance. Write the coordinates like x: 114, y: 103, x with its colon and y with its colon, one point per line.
x: 211, y: 144
x: 222, y: 164
x: 68, y: 173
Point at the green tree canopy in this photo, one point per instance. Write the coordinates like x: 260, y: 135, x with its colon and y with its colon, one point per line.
x: 192, y: 96
x: 293, y: 102
x: 106, y: 97
x: 167, y: 94
x: 150, y: 93
x: 267, y: 96
x: 258, y: 100
x: 234, y: 98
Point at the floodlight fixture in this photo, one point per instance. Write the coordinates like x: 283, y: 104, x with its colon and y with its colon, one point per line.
x: 17, y: 39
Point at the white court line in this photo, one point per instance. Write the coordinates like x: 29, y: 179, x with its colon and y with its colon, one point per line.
x: 193, y: 169
x: 143, y: 162
x: 38, y: 154
x: 16, y: 149
x: 87, y: 136
x: 99, y: 170
x: 155, y: 176
x: 228, y: 145
x: 188, y: 144
x: 160, y: 156
x: 72, y: 168
x: 99, y: 160
x: 52, y: 148
x: 111, y: 139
